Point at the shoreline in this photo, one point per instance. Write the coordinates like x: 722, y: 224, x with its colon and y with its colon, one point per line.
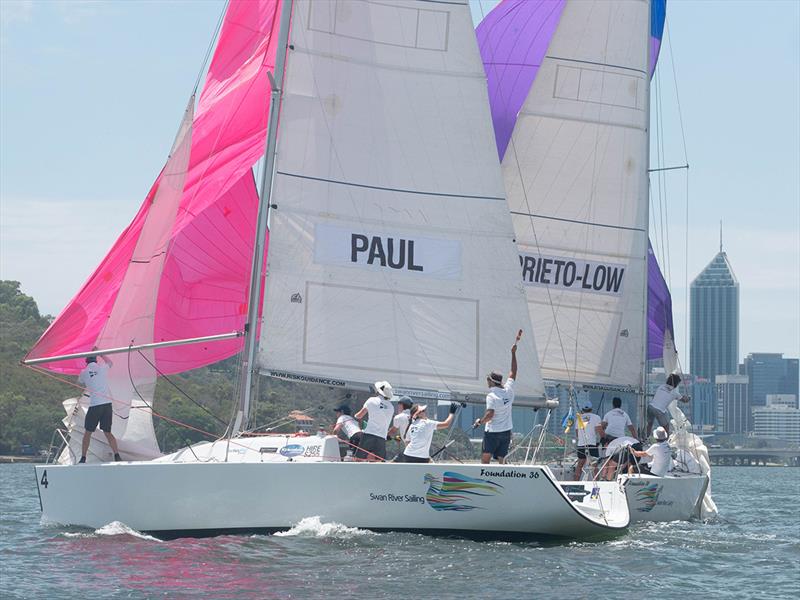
x: 21, y: 459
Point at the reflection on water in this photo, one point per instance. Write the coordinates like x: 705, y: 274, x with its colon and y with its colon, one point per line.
x: 751, y: 550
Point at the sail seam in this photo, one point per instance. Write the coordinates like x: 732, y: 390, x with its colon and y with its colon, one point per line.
x: 348, y: 59
x: 523, y: 214
x: 525, y: 113
x: 598, y: 64
x: 388, y: 189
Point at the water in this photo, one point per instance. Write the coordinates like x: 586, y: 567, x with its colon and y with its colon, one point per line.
x: 751, y: 551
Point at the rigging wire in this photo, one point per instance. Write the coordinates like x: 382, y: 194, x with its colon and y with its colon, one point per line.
x: 686, y: 162
x: 147, y: 404
x: 211, y: 44
x: 173, y: 384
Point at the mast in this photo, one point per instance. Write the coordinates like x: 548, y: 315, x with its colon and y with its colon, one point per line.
x: 646, y: 193
x: 249, y: 368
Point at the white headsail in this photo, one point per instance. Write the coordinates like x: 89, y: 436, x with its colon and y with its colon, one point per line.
x: 576, y: 177
x: 392, y: 252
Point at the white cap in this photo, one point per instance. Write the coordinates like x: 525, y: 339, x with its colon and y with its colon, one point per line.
x: 384, y: 389
x: 660, y: 434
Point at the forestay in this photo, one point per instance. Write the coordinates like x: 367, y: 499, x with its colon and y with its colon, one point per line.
x: 576, y: 178
x: 392, y: 252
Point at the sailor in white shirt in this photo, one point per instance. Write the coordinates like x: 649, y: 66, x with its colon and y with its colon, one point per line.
x: 658, y: 456
x: 588, y: 438
x: 420, y: 433
x: 399, y: 428
x: 346, y: 428
x: 499, y: 400
x: 615, y: 422
x: 100, y: 412
x: 379, y: 412
x: 665, y: 395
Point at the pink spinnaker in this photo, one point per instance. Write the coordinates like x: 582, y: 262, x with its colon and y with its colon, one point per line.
x: 198, y: 285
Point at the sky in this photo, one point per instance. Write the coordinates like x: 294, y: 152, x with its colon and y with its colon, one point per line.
x: 91, y: 94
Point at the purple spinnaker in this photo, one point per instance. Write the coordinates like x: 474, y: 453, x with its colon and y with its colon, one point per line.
x: 659, y: 308
x: 513, y: 39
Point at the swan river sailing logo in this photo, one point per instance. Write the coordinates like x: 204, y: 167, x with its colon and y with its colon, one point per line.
x: 447, y: 492
x: 457, y: 492
x: 648, y: 497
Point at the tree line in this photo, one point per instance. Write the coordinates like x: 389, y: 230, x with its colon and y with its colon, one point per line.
x: 203, y: 399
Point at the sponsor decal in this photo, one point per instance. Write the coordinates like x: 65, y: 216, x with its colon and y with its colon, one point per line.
x: 429, y: 394
x: 390, y: 251
x: 568, y: 274
x: 292, y: 450
x: 297, y: 298
x: 648, y: 497
x: 307, y: 378
x: 457, y: 492
x: 576, y: 493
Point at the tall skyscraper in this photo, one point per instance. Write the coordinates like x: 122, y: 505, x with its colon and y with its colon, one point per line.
x: 714, y: 320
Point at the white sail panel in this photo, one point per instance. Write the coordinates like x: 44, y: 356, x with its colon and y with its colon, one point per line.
x: 392, y: 251
x: 576, y: 179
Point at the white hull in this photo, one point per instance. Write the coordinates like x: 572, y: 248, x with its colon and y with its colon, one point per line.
x: 672, y: 498
x: 172, y: 499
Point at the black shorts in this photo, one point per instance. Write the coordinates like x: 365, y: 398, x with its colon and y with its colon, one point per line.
x: 371, y: 446
x: 496, y: 443
x: 412, y: 459
x: 590, y: 450
x: 101, y: 414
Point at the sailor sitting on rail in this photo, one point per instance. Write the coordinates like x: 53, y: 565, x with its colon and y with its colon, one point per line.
x: 658, y: 456
x: 420, y: 433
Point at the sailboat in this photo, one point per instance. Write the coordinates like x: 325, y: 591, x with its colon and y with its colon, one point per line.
x: 569, y: 87
x: 381, y: 247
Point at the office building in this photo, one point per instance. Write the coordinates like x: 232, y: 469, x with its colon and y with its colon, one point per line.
x: 703, y: 406
x: 714, y: 320
x: 778, y: 418
x: 769, y: 373
x: 733, y: 411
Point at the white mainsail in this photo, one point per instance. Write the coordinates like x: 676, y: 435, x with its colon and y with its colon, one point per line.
x: 391, y: 253
x: 576, y: 179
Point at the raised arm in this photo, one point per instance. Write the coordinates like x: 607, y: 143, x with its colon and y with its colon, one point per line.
x: 361, y: 413
x: 446, y: 423
x: 512, y: 374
